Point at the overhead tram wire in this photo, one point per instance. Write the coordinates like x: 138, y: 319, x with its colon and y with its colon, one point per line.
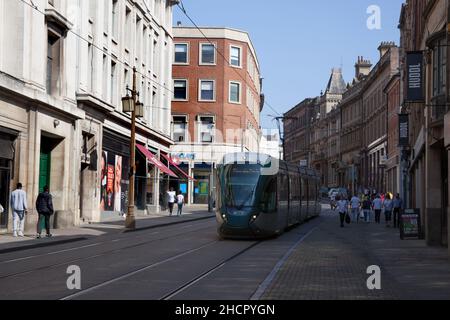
x: 182, y: 8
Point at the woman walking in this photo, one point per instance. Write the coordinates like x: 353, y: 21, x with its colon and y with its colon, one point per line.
x: 180, y: 202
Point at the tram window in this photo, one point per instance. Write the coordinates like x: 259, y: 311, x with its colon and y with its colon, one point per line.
x: 284, y: 192
x: 304, y: 190
x: 241, y: 182
x: 269, y: 197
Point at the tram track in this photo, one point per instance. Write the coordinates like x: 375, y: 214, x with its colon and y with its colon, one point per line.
x: 104, y: 253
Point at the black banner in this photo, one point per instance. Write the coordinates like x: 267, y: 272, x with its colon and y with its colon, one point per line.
x: 403, y: 130
x: 414, y: 64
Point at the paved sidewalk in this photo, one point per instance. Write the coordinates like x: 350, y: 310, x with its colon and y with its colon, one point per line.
x: 86, y: 231
x: 332, y: 262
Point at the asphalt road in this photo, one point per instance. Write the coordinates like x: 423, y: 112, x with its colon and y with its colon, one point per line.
x: 179, y: 262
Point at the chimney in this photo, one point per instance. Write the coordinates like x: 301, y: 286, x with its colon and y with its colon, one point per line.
x: 385, y: 47
x: 362, y: 67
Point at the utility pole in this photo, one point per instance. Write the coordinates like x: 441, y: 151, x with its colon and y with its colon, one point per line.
x: 279, y: 121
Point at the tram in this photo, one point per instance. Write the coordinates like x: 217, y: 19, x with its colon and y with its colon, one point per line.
x: 258, y: 196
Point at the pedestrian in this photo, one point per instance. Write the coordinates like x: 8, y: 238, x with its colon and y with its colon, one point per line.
x: 366, y: 206
x: 44, y: 206
x: 398, y: 207
x: 180, y: 201
x: 355, y: 203
x: 388, y: 205
x: 342, y: 206
x: 171, y: 195
x: 19, y: 209
x: 377, y: 205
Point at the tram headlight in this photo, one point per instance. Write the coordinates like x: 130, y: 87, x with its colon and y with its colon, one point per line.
x: 224, y: 216
x: 254, y: 217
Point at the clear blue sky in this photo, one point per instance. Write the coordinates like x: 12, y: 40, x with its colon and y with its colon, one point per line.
x: 299, y: 41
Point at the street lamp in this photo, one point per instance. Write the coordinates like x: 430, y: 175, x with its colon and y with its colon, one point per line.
x: 136, y: 108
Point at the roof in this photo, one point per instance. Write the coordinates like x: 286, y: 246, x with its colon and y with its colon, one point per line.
x: 336, y: 84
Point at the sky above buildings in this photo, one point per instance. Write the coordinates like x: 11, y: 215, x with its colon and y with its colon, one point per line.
x: 298, y: 42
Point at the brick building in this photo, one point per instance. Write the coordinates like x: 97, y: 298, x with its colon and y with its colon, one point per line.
x: 216, y: 104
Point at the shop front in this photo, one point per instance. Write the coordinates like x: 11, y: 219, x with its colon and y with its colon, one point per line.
x: 7, y: 138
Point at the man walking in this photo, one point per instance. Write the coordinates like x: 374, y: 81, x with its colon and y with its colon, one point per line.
x: 342, y: 206
x: 355, y: 204
x: 366, y: 205
x: 44, y: 206
x: 398, y: 207
x: 171, y: 195
x: 19, y: 209
x: 377, y: 205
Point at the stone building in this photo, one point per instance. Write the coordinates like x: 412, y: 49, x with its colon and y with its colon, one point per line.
x: 216, y: 105
x: 374, y: 115
x: 63, y: 72
x: 326, y: 138
x: 351, y: 134
x: 424, y: 29
x: 297, y: 131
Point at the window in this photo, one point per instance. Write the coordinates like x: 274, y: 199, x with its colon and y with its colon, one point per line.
x: 207, y: 128
x: 235, y: 92
x: 181, y: 53
x: 439, y: 65
x: 179, y: 128
x: 235, y: 56
x: 53, y: 62
x: 113, y: 83
x: 180, y: 90
x: 207, y: 53
x: 207, y: 90
x: 115, y: 16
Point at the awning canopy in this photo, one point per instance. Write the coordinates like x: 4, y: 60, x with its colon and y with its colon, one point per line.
x: 156, y: 161
x: 176, y: 166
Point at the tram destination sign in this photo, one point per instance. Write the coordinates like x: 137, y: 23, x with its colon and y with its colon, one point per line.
x: 414, y: 62
x: 410, y: 224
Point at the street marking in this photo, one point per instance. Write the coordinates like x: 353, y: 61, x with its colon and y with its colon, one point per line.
x: 266, y: 283
x: 135, y: 272
x: 52, y: 253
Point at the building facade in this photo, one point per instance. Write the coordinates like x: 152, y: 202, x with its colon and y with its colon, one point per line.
x: 297, y: 132
x: 374, y: 114
x: 350, y: 169
x: 424, y: 29
x: 216, y: 103
x: 62, y: 75
x: 325, y: 143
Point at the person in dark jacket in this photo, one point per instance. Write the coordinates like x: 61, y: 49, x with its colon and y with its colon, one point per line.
x: 44, y: 207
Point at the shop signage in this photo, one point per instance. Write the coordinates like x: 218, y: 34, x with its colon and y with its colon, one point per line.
x: 403, y: 140
x: 410, y: 224
x: 414, y: 64
x: 183, y: 156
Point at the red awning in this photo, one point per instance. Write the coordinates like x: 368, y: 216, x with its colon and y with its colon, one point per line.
x: 156, y: 161
x: 176, y: 166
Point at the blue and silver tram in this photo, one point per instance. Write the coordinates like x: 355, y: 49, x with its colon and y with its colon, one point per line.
x: 258, y: 196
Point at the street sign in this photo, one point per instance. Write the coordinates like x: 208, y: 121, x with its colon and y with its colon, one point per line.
x: 414, y: 63
x: 403, y: 120
x: 410, y: 224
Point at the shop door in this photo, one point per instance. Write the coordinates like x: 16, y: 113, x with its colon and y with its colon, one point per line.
x: 4, y: 191
x: 44, y: 170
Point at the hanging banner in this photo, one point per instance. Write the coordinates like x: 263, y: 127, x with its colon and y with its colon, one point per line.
x: 415, y: 81
x: 403, y: 139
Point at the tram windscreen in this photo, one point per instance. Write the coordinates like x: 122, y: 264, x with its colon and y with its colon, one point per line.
x: 241, y: 184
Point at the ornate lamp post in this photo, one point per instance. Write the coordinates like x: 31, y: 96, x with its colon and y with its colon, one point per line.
x: 132, y: 104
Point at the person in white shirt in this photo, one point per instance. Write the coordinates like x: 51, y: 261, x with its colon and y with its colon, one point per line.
x: 19, y: 209
x: 180, y: 202
x: 342, y: 206
x: 171, y: 195
x: 355, y: 204
x: 377, y: 206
